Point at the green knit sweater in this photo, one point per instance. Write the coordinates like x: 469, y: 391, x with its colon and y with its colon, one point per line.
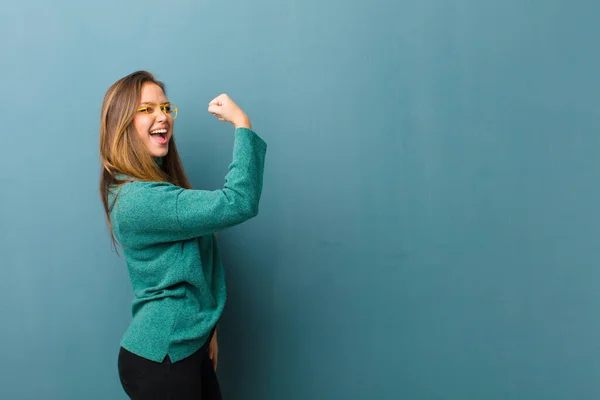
x: 172, y: 255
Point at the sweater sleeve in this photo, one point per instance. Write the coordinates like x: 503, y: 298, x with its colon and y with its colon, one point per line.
x: 147, y: 213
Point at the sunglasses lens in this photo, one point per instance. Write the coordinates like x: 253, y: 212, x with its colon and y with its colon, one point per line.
x: 171, y: 110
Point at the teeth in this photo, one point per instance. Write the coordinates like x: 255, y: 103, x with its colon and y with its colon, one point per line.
x: 158, y: 131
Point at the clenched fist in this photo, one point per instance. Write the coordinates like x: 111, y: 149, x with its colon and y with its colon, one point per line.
x: 226, y: 110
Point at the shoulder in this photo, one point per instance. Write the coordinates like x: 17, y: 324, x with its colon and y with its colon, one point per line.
x: 134, y: 188
x: 144, y: 194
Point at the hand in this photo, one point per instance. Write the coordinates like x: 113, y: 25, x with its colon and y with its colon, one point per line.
x: 213, y: 350
x: 225, y: 109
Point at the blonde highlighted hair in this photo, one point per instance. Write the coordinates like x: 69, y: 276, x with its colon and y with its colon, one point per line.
x: 121, y: 150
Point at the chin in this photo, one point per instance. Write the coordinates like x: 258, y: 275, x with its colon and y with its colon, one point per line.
x: 160, y: 151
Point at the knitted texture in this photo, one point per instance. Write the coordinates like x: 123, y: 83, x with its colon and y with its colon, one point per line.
x: 176, y: 272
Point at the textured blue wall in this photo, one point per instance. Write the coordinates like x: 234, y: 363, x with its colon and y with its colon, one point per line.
x: 429, y: 224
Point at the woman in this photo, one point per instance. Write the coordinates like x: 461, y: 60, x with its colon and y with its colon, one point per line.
x: 167, y: 232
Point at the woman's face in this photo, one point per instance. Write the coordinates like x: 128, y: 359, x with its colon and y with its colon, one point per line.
x: 153, y: 127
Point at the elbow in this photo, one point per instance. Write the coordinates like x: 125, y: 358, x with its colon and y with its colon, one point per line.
x: 250, y: 210
x: 253, y: 211
x: 243, y: 207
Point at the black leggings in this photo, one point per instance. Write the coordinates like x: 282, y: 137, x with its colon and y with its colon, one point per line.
x: 191, y: 378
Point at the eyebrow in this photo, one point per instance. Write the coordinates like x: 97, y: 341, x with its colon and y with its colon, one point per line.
x: 153, y: 102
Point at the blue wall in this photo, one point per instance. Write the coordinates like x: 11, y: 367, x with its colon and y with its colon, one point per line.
x: 429, y: 225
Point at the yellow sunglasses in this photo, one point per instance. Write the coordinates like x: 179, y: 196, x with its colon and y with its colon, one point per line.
x: 167, y: 108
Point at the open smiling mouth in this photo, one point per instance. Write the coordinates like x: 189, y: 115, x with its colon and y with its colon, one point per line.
x: 159, y: 136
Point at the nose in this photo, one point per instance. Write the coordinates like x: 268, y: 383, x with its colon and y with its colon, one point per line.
x: 161, y: 115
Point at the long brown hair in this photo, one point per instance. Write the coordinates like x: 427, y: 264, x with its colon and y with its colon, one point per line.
x: 121, y: 150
